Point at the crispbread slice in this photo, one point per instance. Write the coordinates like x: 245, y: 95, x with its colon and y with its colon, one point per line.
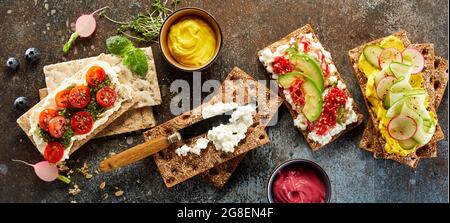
x: 440, y: 80
x: 175, y: 169
x: 428, y: 51
x: 147, y: 89
x: 133, y: 120
x: 219, y: 175
x: 312, y: 144
x: 24, y: 123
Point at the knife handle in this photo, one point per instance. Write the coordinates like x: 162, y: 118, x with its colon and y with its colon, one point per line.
x: 135, y: 154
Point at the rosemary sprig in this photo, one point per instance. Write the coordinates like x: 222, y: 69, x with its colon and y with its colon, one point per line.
x: 145, y: 27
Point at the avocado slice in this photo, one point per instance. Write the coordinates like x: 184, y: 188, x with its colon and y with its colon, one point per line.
x: 310, y: 68
x: 313, y: 100
x: 286, y: 80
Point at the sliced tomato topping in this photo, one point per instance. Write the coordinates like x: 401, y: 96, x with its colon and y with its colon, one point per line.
x: 62, y: 99
x: 106, y: 97
x: 57, y: 126
x: 54, y: 152
x: 95, y: 76
x: 82, y: 122
x: 45, y: 117
x: 80, y: 96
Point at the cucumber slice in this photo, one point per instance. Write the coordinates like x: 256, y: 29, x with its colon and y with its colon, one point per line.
x: 286, y: 80
x: 408, y: 144
x: 406, y: 110
x: 418, y: 104
x: 397, y: 107
x: 425, y: 128
x: 402, y: 84
x: 424, y: 134
x: 371, y: 53
x: 400, y: 69
x: 308, y: 65
x: 429, y: 126
x: 389, y: 55
x: 392, y: 97
x: 415, y: 58
x: 402, y: 127
x: 384, y: 85
x: 313, y: 100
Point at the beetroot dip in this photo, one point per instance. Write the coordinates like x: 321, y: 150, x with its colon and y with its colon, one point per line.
x: 298, y: 184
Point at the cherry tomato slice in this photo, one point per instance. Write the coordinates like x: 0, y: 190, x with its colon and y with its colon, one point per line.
x: 62, y: 99
x: 45, y: 117
x: 82, y: 122
x: 54, y: 152
x: 106, y: 97
x: 57, y: 126
x: 95, y: 76
x: 79, y: 96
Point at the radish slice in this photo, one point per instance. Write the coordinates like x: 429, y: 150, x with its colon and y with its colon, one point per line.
x: 85, y: 25
x: 402, y: 127
x: 389, y: 55
x: 384, y: 85
x: 44, y: 170
x: 415, y: 58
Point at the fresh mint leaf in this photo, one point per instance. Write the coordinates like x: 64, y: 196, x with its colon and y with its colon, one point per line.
x: 136, y: 61
x: 119, y: 45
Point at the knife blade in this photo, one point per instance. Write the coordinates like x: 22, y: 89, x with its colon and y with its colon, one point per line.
x: 203, y: 126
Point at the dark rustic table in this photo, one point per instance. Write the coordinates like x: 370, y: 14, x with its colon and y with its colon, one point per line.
x: 247, y: 27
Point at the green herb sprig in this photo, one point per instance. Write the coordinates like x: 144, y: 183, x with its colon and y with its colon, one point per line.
x: 146, y: 25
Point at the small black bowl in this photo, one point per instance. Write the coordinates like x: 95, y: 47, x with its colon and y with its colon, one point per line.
x: 300, y: 162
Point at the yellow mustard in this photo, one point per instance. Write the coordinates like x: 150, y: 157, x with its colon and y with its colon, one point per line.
x: 392, y: 146
x: 192, y: 42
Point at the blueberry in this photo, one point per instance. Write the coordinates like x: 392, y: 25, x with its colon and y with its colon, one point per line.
x: 21, y: 103
x: 12, y: 63
x: 32, y: 54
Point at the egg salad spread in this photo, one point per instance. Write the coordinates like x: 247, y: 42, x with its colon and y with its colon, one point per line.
x: 413, y: 83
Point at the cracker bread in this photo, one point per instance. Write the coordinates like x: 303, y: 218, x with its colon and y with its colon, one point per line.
x: 429, y: 151
x: 147, y: 89
x: 133, y: 120
x: 440, y: 79
x: 24, y: 122
x: 175, y: 169
x: 312, y: 144
x: 219, y: 175
x: 377, y: 144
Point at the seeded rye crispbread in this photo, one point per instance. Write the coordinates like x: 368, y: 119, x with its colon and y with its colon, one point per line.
x: 314, y: 145
x: 175, y: 169
x: 372, y: 140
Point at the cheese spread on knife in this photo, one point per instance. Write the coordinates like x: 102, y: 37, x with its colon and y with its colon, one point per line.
x: 397, y: 96
x: 80, y: 105
x: 309, y: 82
